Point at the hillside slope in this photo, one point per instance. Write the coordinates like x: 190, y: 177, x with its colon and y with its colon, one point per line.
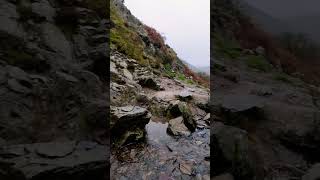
x: 265, y: 119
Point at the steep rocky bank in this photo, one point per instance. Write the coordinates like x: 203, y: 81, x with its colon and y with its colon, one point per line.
x: 266, y: 122
x: 54, y: 89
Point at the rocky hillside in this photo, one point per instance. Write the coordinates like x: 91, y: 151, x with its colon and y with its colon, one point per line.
x: 54, y: 89
x: 266, y: 116
x: 159, y: 108
x: 144, y: 44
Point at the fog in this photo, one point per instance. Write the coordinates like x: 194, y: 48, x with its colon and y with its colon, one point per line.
x: 287, y: 8
x: 184, y: 23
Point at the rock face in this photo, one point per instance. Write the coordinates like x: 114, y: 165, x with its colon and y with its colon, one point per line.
x: 53, y: 67
x: 313, y: 173
x: 62, y: 160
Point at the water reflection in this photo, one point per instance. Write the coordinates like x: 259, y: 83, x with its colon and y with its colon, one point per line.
x: 157, y: 132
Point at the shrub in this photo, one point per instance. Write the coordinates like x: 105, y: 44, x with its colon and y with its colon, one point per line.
x: 156, y: 38
x: 224, y: 47
x: 169, y: 71
x: 282, y: 77
x: 257, y: 62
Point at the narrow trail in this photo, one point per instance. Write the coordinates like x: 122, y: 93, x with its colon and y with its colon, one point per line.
x: 163, y: 156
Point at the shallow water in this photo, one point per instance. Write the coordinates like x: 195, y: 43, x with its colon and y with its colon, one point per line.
x: 157, y: 132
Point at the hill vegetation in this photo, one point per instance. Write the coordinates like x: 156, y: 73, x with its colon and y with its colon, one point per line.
x: 289, y: 53
x: 145, y: 44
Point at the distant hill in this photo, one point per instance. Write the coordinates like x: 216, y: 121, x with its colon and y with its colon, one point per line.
x: 204, y: 69
x: 266, y: 21
x: 309, y: 25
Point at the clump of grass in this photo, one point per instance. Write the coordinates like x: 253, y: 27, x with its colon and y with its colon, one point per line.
x: 258, y: 62
x: 226, y: 48
x: 282, y: 77
x: 168, y: 71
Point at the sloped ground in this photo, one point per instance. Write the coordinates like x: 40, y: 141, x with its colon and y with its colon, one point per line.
x: 279, y: 113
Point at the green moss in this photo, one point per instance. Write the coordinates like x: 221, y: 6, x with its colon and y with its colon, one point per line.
x: 226, y: 48
x: 125, y: 39
x: 181, y: 77
x: 257, y: 62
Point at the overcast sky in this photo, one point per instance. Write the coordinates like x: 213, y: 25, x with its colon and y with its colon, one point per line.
x: 185, y: 24
x: 287, y: 8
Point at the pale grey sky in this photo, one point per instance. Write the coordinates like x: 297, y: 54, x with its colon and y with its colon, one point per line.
x: 185, y: 24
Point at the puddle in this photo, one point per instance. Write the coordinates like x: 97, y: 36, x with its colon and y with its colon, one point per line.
x: 157, y: 132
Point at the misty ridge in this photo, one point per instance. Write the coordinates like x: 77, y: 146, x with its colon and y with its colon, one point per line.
x: 293, y: 26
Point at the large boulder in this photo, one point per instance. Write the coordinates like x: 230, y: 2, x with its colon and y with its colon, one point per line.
x: 128, y: 123
x: 185, y: 96
x: 234, y: 145
x: 149, y: 82
x: 178, y: 108
x: 176, y: 127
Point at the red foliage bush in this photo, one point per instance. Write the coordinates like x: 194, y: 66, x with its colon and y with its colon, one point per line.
x: 251, y: 36
x: 155, y: 37
x: 189, y: 73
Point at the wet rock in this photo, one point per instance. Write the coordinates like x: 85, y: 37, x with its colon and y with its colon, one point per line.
x: 242, y: 103
x: 54, y: 149
x: 128, y: 122
x: 224, y: 177
x: 43, y: 9
x: 149, y: 82
x: 127, y: 74
x: 205, y: 177
x: 313, y: 173
x: 17, y: 73
x: 234, y: 144
x: 186, y: 168
x: 113, y: 68
x: 56, y: 40
x: 203, y: 104
x: 67, y: 77
x: 73, y: 162
x: 128, y: 113
x: 260, y: 50
x: 177, y: 108
x: 177, y: 127
x: 185, y: 96
x: 7, y: 172
x: 207, y: 118
x: 96, y: 114
x: 142, y: 98
x: 15, y: 86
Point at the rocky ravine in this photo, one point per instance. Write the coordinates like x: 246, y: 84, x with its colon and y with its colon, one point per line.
x: 169, y: 118
x: 53, y: 90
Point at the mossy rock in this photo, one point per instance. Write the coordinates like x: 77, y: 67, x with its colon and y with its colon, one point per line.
x: 130, y: 136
